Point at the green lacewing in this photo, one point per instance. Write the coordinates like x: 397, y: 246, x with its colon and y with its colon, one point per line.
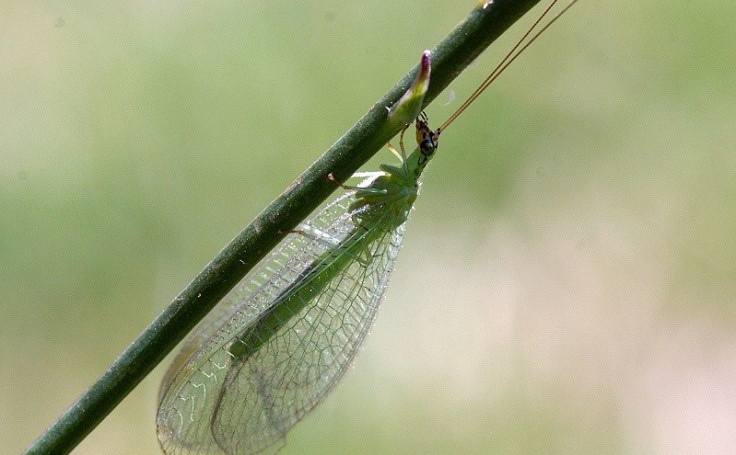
x: 279, y: 343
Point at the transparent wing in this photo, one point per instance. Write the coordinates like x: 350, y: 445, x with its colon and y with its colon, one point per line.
x: 261, y: 396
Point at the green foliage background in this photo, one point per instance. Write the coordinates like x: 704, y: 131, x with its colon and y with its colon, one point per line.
x: 567, y: 281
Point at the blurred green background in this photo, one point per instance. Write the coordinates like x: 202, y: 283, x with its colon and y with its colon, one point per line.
x: 567, y: 280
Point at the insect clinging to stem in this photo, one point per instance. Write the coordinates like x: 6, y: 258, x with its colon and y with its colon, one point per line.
x: 284, y: 337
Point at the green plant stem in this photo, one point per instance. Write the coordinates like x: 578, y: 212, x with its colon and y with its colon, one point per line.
x: 479, y: 29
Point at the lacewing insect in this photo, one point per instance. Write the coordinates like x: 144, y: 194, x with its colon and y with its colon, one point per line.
x: 284, y: 337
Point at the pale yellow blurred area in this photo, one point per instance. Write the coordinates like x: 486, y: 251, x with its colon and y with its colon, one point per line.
x: 567, y: 280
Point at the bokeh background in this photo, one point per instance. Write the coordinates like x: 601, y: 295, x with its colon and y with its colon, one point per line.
x: 567, y: 279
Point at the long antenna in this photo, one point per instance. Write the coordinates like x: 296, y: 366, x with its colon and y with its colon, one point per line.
x: 520, y: 47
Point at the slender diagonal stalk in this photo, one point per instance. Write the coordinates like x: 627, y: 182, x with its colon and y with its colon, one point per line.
x: 479, y: 29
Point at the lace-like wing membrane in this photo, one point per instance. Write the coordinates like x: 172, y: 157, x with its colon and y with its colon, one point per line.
x: 262, y: 396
